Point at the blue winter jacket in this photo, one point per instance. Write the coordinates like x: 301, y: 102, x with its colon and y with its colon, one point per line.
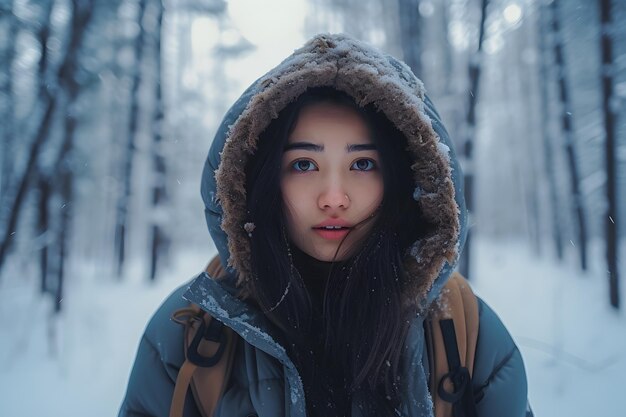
x: 264, y: 381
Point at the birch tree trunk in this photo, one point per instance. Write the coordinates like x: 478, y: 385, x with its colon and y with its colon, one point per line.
x: 44, y: 183
x: 547, y: 138
x: 64, y: 171
x: 123, y: 202
x: 448, y: 67
x: 568, y: 133
x: 468, y: 147
x: 410, y: 34
x: 531, y: 165
x: 43, y: 225
x: 609, y: 113
x: 159, y: 239
x: 81, y: 16
x: 65, y: 174
x: 7, y: 98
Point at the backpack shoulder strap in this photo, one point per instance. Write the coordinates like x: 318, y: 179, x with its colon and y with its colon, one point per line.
x: 209, y: 348
x: 451, y: 335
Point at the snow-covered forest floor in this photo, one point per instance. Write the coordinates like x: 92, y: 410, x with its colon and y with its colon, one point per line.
x: 574, y: 345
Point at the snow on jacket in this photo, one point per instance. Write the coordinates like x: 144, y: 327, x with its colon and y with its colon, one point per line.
x: 265, y: 381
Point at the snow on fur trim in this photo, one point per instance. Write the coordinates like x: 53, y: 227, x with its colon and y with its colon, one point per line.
x: 368, y: 76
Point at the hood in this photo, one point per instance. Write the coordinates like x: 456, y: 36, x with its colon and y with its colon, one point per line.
x: 370, y: 77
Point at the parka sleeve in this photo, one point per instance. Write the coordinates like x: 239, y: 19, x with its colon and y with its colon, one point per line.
x: 159, y: 357
x: 150, y: 388
x: 499, y: 378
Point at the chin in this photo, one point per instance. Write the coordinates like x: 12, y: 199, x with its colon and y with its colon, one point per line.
x: 321, y: 257
x: 329, y: 256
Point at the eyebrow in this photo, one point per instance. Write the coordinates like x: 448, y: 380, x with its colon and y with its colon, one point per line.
x: 362, y: 147
x: 308, y: 146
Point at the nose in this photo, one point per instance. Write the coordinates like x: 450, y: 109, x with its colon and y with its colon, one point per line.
x: 334, y: 196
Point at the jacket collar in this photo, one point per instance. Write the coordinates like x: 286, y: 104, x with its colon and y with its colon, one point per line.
x: 220, y: 302
x: 218, y: 299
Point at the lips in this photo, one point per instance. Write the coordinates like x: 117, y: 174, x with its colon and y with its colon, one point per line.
x: 333, y: 223
x: 333, y: 229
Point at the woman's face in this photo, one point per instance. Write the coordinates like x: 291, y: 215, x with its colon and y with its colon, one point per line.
x: 331, y: 180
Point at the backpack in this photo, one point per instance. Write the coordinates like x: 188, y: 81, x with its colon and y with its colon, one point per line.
x: 451, y: 331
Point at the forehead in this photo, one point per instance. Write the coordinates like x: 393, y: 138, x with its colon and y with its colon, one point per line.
x: 330, y: 121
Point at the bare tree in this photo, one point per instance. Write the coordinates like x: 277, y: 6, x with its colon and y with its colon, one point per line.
x: 609, y: 114
x: 448, y: 67
x: 44, y: 189
x: 468, y: 146
x: 530, y: 166
x: 159, y: 239
x: 123, y: 201
x: 7, y: 99
x: 568, y: 133
x: 52, y: 96
x: 64, y: 167
x: 65, y: 170
x: 547, y: 139
x: 44, y: 181
x: 410, y: 34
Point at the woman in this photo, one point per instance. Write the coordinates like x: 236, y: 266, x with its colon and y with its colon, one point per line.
x: 334, y: 199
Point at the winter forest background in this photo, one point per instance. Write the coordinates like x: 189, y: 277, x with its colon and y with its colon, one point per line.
x: 108, y: 108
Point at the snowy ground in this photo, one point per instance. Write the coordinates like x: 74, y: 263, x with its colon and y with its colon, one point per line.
x: 573, y: 344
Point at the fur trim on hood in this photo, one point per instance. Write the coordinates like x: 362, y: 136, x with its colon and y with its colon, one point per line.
x: 370, y: 77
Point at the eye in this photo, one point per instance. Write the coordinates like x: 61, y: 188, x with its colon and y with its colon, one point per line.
x: 363, y: 165
x: 303, y: 165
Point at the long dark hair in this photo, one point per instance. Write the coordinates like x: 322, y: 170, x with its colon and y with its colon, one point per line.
x: 351, y: 349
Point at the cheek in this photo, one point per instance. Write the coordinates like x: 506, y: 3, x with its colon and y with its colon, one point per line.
x: 378, y: 190
x: 293, y: 199
x: 371, y: 193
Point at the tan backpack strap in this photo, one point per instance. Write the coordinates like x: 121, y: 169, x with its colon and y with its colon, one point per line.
x: 187, y: 317
x: 207, y: 379
x: 458, y: 303
x: 208, y: 384
x: 180, y: 389
x: 463, y: 306
x: 472, y: 321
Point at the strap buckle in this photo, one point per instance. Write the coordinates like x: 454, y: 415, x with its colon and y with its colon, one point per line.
x: 214, y: 332
x: 460, y: 378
